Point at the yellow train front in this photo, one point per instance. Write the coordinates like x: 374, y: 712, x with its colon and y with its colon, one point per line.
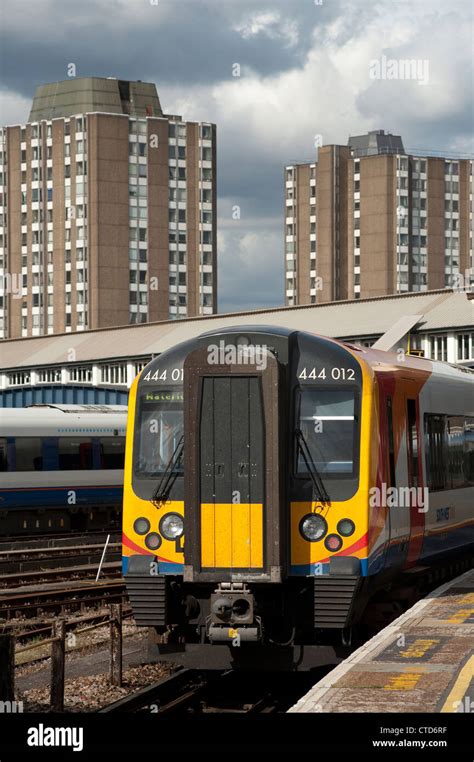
x: 248, y: 536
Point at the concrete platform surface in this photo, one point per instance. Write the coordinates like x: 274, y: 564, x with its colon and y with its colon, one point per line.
x: 421, y: 662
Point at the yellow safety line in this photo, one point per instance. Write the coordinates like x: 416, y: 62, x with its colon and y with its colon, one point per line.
x: 460, y: 687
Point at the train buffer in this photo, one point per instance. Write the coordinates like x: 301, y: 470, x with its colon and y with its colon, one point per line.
x: 421, y: 662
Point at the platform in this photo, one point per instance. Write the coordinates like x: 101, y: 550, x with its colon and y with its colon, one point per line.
x: 421, y: 662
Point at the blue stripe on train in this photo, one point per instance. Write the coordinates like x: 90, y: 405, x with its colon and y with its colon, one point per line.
x: 60, y: 496
x: 304, y: 570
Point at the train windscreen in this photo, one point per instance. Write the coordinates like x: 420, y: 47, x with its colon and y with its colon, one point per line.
x: 328, y: 422
x: 159, y: 430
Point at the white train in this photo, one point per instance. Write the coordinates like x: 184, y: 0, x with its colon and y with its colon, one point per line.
x: 61, y: 467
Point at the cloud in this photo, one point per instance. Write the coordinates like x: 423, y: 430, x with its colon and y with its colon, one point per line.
x: 252, y: 256
x: 14, y: 108
x: 305, y: 72
x: 270, y: 24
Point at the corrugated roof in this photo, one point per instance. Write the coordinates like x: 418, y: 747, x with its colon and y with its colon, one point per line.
x: 344, y: 320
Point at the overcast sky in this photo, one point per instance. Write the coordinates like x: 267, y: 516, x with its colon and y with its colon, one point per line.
x: 304, y: 71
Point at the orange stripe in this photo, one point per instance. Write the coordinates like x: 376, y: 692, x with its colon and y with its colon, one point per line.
x: 141, y: 551
x: 361, y: 543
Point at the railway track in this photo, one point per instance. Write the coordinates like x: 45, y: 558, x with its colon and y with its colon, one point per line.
x: 190, y: 691
x: 19, y: 561
x: 59, y: 598
x: 58, y: 574
x: 31, y: 560
x: 32, y: 541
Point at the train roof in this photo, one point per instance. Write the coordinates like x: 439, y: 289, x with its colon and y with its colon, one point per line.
x: 53, y: 420
x: 67, y: 408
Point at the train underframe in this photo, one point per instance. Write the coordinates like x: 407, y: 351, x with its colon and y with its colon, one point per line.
x: 300, y: 624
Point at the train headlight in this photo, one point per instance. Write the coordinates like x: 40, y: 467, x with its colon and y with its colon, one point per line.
x: 313, y: 527
x: 346, y: 527
x: 172, y: 526
x: 141, y: 525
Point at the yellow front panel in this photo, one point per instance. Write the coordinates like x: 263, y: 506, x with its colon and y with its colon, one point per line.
x: 231, y: 535
x: 256, y: 536
x: 223, y: 536
x: 207, y: 536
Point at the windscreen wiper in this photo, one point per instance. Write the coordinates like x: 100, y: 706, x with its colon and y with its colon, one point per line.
x: 168, y: 476
x: 318, y: 486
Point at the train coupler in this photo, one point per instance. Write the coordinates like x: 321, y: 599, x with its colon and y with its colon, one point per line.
x: 232, y: 614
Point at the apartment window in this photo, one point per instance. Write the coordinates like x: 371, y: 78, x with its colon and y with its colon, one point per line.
x: 465, y: 346
x: 114, y: 374
x: 439, y: 348
x: 206, y: 132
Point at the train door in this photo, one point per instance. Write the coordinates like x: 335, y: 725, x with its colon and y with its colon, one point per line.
x: 232, y: 500
x: 394, y: 472
x: 416, y: 494
x: 232, y: 471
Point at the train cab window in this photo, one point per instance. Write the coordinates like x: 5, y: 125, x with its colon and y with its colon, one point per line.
x: 159, y: 430
x: 28, y: 454
x: 75, y: 453
x: 328, y: 422
x: 112, y: 452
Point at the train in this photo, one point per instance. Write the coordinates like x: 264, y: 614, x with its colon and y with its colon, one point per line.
x: 277, y: 480
x: 61, y: 468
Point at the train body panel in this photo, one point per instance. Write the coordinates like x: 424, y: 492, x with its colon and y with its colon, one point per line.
x: 58, y: 462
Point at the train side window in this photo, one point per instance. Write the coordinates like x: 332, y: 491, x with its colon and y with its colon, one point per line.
x: 469, y: 450
x: 29, y: 453
x: 412, y: 442
x: 455, y: 435
x: 391, y: 444
x: 112, y: 452
x: 75, y: 453
x: 435, y: 442
x: 3, y: 454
